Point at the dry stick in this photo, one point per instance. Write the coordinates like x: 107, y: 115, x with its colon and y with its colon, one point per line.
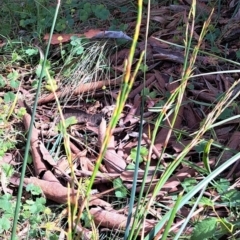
x: 82, y: 88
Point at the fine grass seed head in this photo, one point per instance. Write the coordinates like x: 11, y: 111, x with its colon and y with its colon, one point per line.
x: 86, y: 63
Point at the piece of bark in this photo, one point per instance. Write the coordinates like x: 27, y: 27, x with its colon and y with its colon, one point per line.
x: 82, y: 88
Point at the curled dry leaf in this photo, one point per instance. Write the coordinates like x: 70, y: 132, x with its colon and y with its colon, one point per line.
x: 114, y: 220
x: 190, y: 117
x: 82, y: 88
x: 46, y: 155
x: 204, y: 95
x: 39, y: 165
x: 113, y: 162
x: 63, y: 38
x: 85, y: 163
x: 55, y: 191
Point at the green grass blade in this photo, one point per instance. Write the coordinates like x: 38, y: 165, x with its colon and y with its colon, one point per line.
x: 206, y: 155
x: 121, y: 99
x: 172, y: 217
x: 190, y: 214
x: 133, y: 191
x: 27, y: 149
x: 194, y: 191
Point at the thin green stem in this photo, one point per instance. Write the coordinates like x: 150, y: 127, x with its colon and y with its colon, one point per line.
x: 121, y: 99
x: 133, y: 191
x: 24, y: 165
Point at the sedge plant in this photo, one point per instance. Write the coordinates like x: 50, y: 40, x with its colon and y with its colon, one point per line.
x: 208, y: 124
x: 178, y: 96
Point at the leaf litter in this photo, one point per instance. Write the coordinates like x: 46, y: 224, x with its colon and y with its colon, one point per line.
x: 164, y: 69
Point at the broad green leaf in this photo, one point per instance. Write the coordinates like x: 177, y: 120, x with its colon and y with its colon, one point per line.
x: 121, y: 191
x: 31, y: 51
x: 68, y: 122
x: 16, y: 57
x: 233, y: 196
x: 200, y: 147
x: 76, y: 41
x: 5, y: 202
x: 206, y: 202
x: 143, y: 151
x: 222, y: 185
x: 47, y: 211
x: 9, y: 97
x: 4, y: 224
x: 143, y: 154
x: 85, y: 218
x: 130, y: 166
x: 8, y: 169
x: 35, y: 207
x: 226, y: 225
x: 35, y: 83
x: 101, y: 12
x: 61, y: 25
x: 51, y: 85
x: 123, y: 9
x: 238, y: 54
x: 83, y: 16
x: 2, y: 81
x: 153, y: 94
x: 35, y: 190
x: 47, y: 67
x: 21, y: 112
x: 228, y: 112
x: 188, y: 184
x: 143, y: 67
x: 14, y: 84
x: 29, y: 160
x: 13, y: 75
x: 204, y: 229
x: 80, y: 50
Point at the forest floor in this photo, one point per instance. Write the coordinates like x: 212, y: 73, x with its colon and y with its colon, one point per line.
x: 86, y: 65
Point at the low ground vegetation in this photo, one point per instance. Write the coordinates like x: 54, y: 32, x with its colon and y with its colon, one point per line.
x: 168, y: 168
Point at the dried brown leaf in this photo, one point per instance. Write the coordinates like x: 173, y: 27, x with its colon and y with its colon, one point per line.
x: 113, y: 162
x: 82, y: 88
x: 204, y: 95
x: 190, y: 117
x: 63, y: 38
x: 46, y: 155
x: 114, y: 220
